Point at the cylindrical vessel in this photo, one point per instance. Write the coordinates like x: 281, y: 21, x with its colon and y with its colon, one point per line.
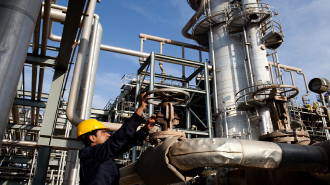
x: 230, y: 76
x: 17, y: 22
x: 259, y: 63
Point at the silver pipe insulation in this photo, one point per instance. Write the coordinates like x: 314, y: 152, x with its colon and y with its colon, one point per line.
x: 193, y: 19
x: 92, y: 68
x: 248, y: 57
x: 72, y: 164
x: 172, y: 42
x: 17, y: 22
x: 79, y: 67
x: 233, y: 153
x: 214, y: 78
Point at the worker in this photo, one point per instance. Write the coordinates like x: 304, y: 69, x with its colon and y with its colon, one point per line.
x: 97, y: 163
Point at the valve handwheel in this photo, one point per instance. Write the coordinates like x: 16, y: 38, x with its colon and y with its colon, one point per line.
x: 270, y: 92
x: 168, y: 95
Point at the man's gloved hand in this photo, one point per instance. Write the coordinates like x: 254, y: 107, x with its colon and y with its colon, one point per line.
x: 142, y: 104
x: 150, y: 122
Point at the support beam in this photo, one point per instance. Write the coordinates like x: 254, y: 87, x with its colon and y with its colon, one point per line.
x: 48, y: 125
x: 30, y: 103
x: 71, y: 25
x: 40, y: 60
x: 23, y: 127
x: 195, y: 73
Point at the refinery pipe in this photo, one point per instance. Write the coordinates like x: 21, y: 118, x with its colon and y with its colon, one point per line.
x: 233, y: 153
x: 193, y: 19
x: 185, y: 156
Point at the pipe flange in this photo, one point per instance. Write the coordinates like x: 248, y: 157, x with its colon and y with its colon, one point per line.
x: 282, y: 136
x: 158, y: 136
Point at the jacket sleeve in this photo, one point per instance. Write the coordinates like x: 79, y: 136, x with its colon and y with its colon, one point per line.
x: 118, y: 140
x: 136, y: 140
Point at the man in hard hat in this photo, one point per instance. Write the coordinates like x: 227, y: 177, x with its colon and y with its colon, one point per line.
x: 97, y: 164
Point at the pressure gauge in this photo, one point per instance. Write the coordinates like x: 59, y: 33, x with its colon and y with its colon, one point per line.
x: 319, y: 85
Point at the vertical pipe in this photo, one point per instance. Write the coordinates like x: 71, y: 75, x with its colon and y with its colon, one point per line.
x: 160, y: 62
x: 271, y: 73
x: 249, y: 127
x: 17, y: 22
x: 45, y: 30
x: 225, y: 124
x: 214, y: 79
x: 188, y: 115
x: 94, y: 69
x: 248, y: 57
x: 79, y: 67
x: 208, y: 100
x: 278, y: 67
x: 152, y: 82
x: 292, y: 79
x: 307, y: 90
x: 183, y: 69
x: 72, y: 162
x: 91, y: 69
x: 141, y: 50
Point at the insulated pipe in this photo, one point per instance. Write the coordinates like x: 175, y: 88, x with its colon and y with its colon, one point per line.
x: 17, y: 22
x: 45, y: 30
x: 214, y: 78
x: 233, y: 153
x: 193, y: 19
x: 92, y: 70
x: 173, y: 42
x: 79, y: 67
x: 72, y: 161
x: 111, y: 48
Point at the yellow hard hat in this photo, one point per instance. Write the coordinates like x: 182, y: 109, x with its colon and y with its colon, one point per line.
x: 88, y: 126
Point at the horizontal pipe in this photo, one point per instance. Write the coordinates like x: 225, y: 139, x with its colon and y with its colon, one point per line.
x: 233, y: 153
x: 285, y: 67
x: 18, y: 142
x: 124, y: 51
x: 173, y: 42
x: 145, y: 55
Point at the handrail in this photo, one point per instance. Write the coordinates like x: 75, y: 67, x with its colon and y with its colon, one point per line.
x: 261, y: 8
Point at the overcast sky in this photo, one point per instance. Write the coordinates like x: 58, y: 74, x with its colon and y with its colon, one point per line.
x: 306, y: 26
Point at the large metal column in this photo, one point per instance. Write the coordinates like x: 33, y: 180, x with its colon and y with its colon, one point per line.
x: 259, y: 64
x: 230, y: 77
x: 50, y: 117
x: 17, y: 22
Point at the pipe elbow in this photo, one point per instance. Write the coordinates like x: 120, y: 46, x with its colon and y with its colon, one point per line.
x: 190, y: 23
x: 72, y: 117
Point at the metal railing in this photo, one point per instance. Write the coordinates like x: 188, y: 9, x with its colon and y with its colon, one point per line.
x: 261, y: 9
x: 127, y: 80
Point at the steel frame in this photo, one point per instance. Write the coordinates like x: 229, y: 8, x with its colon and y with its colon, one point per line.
x: 201, y: 67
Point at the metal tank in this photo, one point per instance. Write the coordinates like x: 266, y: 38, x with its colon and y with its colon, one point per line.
x: 233, y: 31
x: 18, y: 19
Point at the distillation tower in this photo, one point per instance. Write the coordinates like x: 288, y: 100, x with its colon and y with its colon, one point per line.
x: 238, y: 33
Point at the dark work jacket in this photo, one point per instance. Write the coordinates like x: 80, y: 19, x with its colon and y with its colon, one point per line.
x: 97, y: 163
